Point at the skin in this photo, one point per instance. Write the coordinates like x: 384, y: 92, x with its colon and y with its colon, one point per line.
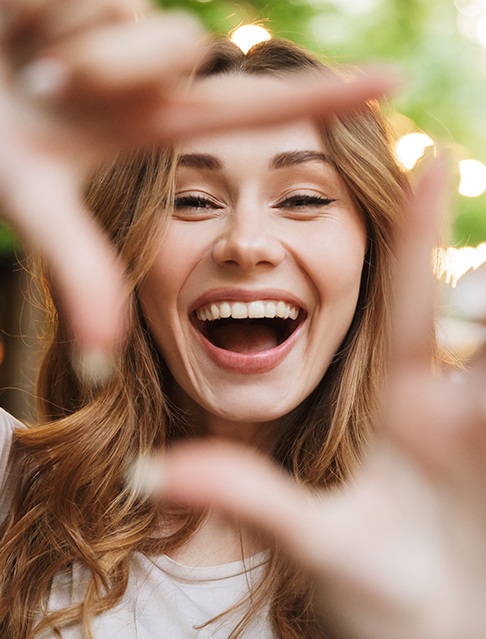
x: 245, y: 239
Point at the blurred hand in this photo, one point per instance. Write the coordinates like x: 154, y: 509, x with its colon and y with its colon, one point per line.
x: 82, y: 80
x: 400, y: 552
x: 78, y: 81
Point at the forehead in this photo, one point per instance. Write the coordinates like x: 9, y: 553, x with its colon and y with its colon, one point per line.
x: 259, y: 143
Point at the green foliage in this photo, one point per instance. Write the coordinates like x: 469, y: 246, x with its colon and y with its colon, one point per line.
x: 470, y: 221
x: 286, y: 18
x: 8, y: 241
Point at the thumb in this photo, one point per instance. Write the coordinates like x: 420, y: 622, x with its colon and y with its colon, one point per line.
x: 240, y: 482
x: 364, y: 569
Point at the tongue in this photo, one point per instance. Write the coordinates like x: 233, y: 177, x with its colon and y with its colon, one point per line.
x: 244, y: 338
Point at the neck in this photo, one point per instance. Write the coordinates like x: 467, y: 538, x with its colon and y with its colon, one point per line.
x: 219, y: 540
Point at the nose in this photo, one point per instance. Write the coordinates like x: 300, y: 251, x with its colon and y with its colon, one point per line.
x: 248, y: 242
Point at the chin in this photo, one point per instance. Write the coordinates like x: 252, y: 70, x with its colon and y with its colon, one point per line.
x: 253, y: 410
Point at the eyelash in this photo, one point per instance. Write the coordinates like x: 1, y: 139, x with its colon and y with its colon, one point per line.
x: 201, y: 202
x: 304, y: 200
x: 194, y: 202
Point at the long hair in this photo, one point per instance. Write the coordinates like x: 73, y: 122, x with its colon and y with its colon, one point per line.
x: 71, y: 503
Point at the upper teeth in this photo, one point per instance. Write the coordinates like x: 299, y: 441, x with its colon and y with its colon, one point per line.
x: 242, y: 310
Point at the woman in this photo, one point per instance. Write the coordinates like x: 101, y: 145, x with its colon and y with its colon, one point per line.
x: 291, y: 224
x: 399, y: 551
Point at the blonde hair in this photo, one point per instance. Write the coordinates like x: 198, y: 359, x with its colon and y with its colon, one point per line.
x: 69, y: 509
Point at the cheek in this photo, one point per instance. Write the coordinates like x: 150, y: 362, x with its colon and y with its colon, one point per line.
x: 160, y: 289
x: 335, y: 262
x: 175, y: 261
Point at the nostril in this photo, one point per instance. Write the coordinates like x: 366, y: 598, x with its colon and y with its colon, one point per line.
x: 247, y: 250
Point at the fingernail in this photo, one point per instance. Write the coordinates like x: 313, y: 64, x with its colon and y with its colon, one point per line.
x: 45, y: 78
x: 146, y: 475
x: 93, y: 367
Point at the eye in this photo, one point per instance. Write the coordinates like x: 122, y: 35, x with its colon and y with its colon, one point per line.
x: 304, y: 200
x: 194, y: 202
x: 194, y: 206
x: 304, y: 206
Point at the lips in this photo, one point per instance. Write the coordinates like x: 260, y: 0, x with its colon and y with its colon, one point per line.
x: 247, y: 335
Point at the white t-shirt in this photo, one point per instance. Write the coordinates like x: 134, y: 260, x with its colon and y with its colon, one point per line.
x: 164, y: 599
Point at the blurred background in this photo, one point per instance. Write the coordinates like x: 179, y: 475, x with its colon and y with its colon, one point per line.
x: 439, y: 45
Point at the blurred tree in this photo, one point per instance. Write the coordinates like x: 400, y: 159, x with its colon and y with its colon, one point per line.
x: 7, y: 240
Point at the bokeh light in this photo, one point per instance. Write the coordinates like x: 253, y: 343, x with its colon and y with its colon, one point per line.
x: 468, y: 7
x: 481, y: 30
x: 452, y: 263
x: 248, y: 35
x: 473, y: 178
x: 471, y: 20
x: 411, y: 147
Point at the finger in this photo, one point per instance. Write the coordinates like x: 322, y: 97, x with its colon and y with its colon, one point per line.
x: 33, y: 31
x: 319, y: 532
x: 47, y: 210
x: 414, y: 282
x: 251, y: 101
x: 55, y: 19
x: 420, y: 408
x: 242, y: 483
x: 357, y: 549
x: 99, y: 63
x: 253, y: 485
x: 63, y: 19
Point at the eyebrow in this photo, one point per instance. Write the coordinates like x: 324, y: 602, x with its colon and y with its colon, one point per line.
x: 200, y: 161
x: 292, y: 158
x: 280, y: 161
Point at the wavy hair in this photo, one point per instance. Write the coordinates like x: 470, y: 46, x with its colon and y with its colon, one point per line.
x: 71, y: 504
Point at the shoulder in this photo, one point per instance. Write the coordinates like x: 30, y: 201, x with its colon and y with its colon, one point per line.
x: 8, y: 421
x: 8, y: 425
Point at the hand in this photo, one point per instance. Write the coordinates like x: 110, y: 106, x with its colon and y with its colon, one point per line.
x: 82, y: 80
x: 400, y: 551
x: 76, y: 86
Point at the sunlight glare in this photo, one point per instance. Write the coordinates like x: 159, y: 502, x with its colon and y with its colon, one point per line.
x: 452, y: 263
x: 481, y: 30
x: 473, y: 178
x: 411, y: 147
x: 248, y: 35
x: 468, y: 7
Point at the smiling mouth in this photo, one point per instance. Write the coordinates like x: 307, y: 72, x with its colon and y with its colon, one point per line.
x: 247, y: 328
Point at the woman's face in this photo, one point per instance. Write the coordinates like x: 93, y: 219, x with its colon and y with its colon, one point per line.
x: 257, y: 278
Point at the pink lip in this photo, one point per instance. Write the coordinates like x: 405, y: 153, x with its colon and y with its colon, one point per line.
x: 243, y: 295
x: 249, y: 364
x: 253, y: 363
